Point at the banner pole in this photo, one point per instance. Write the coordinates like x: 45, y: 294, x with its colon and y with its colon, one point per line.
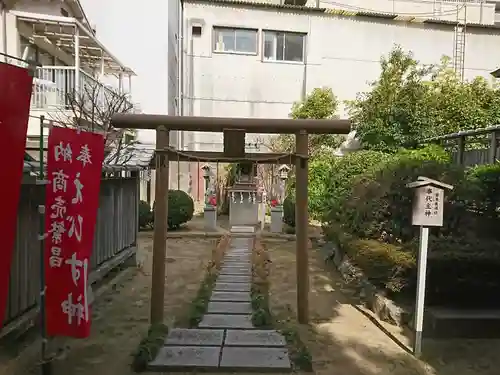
x: 46, y: 364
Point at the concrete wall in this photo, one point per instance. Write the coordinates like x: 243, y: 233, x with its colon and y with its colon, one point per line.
x: 341, y: 52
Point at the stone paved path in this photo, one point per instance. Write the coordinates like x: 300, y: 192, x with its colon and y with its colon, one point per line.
x: 226, y: 338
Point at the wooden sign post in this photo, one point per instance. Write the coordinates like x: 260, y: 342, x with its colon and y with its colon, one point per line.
x: 427, y: 212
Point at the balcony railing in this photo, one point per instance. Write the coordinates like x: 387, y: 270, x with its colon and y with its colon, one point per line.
x: 55, y: 88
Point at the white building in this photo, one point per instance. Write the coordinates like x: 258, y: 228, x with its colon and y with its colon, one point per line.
x: 74, y: 66
x: 256, y: 58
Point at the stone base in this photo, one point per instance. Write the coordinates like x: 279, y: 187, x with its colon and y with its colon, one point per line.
x: 210, y: 217
x: 277, y: 220
x: 243, y: 213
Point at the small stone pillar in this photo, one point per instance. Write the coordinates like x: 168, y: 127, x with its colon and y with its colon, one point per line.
x: 210, y: 217
x: 277, y: 219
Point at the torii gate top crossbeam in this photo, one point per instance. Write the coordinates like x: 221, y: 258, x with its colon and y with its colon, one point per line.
x: 219, y: 124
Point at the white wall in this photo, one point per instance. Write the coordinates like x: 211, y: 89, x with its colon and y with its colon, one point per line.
x: 475, y: 11
x: 342, y: 53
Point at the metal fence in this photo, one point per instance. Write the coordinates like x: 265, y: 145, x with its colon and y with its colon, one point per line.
x: 115, y: 234
x: 472, y: 147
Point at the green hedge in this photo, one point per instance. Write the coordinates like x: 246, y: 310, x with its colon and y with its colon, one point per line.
x: 331, y: 177
x: 368, y: 200
x: 289, y: 211
x: 145, y: 215
x: 460, y: 273
x: 180, y: 208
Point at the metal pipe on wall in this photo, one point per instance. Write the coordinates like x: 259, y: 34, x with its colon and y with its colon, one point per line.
x: 77, y: 59
x: 4, y: 30
x: 180, y: 74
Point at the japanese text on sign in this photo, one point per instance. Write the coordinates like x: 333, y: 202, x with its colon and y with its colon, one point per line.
x: 428, y: 207
x: 74, y: 170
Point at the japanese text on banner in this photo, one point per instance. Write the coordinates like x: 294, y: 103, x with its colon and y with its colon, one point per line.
x: 74, y: 165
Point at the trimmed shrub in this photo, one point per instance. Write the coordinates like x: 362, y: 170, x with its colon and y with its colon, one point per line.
x: 387, y: 266
x: 331, y: 179
x: 145, y: 215
x: 289, y: 211
x: 461, y: 272
x: 180, y: 208
x: 379, y: 205
x: 372, y: 224
x: 484, y: 198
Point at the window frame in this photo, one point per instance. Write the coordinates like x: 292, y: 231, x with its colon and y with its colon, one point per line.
x: 284, y: 33
x: 234, y: 29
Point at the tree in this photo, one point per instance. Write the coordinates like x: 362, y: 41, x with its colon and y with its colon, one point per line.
x: 457, y: 105
x: 91, y: 107
x: 321, y: 103
x: 410, y: 102
x: 395, y: 111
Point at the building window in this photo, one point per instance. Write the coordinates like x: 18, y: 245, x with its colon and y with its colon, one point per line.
x: 235, y: 40
x: 283, y: 46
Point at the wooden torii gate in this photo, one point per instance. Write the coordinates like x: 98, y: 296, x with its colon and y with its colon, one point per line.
x: 234, y: 130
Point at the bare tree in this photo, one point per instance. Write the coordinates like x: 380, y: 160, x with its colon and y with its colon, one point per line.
x: 268, y: 173
x: 91, y: 108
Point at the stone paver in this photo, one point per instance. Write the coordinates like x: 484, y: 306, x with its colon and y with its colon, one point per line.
x: 195, y: 337
x: 232, y: 287
x: 226, y: 338
x: 229, y: 308
x: 226, y: 321
x: 234, y: 279
x: 230, y: 267
x: 231, y: 296
x: 258, y: 338
x: 254, y: 359
x: 235, y: 271
x: 238, y: 257
x: 186, y: 357
x: 237, y: 265
x: 242, y: 229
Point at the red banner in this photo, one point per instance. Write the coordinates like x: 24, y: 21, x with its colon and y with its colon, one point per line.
x: 15, y: 95
x: 74, y: 167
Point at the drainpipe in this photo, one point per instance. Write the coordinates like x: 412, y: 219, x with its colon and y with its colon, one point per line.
x: 120, y: 83
x: 4, y: 29
x: 180, y: 68
x: 77, y: 60
x: 180, y: 52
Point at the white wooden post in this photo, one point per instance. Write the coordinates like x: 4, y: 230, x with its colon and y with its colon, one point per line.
x: 427, y: 212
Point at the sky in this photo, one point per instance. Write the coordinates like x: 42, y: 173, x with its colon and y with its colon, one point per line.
x: 137, y: 36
